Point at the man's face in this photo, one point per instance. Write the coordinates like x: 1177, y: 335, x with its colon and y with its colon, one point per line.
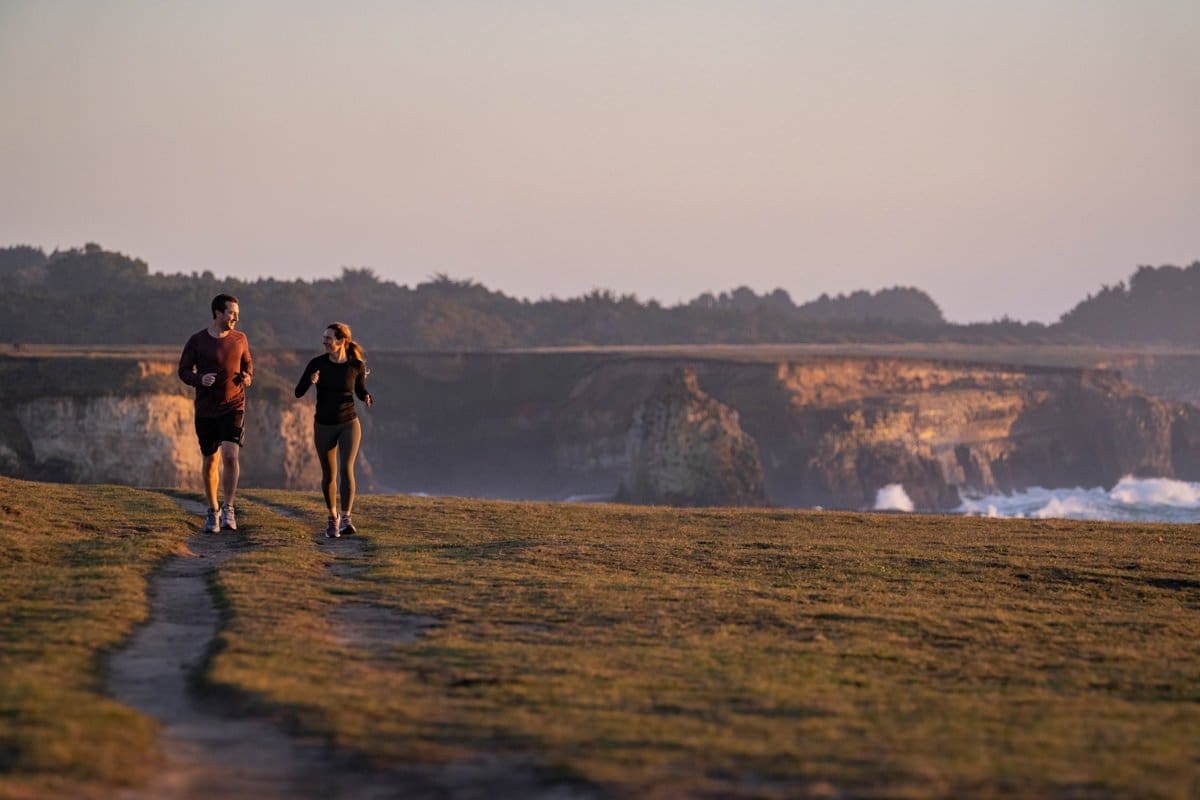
x: 229, y: 317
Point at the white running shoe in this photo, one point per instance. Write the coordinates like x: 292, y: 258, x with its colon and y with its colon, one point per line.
x: 228, y: 518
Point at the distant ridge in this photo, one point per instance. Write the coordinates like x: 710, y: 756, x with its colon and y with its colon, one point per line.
x: 90, y: 295
x: 1157, y: 307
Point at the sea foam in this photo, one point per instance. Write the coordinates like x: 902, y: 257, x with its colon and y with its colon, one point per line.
x: 1132, y: 499
x: 893, y: 498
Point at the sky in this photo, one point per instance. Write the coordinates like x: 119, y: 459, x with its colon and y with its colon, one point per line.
x: 1006, y: 157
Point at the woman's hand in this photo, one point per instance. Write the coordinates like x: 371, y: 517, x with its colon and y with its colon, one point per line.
x: 316, y: 375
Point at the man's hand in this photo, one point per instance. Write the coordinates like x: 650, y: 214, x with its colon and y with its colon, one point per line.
x: 247, y: 379
x: 208, y: 378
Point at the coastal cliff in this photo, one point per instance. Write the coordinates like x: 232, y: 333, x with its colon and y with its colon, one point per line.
x: 941, y: 429
x: 830, y: 430
x: 129, y: 421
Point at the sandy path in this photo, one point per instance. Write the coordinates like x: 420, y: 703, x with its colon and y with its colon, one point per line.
x: 210, y: 754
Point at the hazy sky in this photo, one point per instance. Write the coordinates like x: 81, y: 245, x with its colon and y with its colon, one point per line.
x: 1007, y: 157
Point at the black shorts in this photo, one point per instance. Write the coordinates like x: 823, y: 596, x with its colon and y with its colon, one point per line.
x: 211, y: 431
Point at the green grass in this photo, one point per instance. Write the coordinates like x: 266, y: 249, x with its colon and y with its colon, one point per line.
x: 663, y: 653
x: 73, y: 584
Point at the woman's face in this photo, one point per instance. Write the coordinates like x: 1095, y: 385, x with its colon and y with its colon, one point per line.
x: 331, y: 341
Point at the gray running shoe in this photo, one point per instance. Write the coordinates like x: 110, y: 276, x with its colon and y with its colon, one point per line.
x: 228, y: 518
x: 346, y: 527
x: 210, y: 522
x: 331, y: 529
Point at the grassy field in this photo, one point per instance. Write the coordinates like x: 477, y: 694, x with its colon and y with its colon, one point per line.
x: 73, y: 579
x: 651, y: 652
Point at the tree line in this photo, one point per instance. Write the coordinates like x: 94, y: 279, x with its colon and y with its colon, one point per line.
x: 90, y: 295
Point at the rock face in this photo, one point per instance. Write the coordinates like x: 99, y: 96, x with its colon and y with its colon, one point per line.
x: 684, y: 448
x: 130, y: 421
x: 830, y: 430
x: 940, y: 429
x: 110, y: 439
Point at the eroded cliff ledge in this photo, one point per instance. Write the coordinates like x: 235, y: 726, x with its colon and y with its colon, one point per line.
x: 685, y: 448
x: 831, y: 430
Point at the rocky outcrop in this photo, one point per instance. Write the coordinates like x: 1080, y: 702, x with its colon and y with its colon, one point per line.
x: 130, y: 421
x: 139, y: 439
x: 942, y: 428
x: 685, y: 448
x: 1170, y: 375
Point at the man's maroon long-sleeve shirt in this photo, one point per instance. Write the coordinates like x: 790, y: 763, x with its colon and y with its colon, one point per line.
x: 229, y: 357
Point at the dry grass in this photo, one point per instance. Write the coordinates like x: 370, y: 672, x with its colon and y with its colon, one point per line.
x: 764, y: 653
x: 651, y: 652
x: 73, y: 584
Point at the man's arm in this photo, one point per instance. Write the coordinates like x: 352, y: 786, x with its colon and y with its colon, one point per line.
x: 247, y: 366
x: 187, y: 365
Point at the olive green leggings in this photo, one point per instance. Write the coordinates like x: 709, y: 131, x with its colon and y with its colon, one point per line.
x: 338, y: 442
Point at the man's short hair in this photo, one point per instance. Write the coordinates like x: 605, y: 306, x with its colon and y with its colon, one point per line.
x: 219, y: 302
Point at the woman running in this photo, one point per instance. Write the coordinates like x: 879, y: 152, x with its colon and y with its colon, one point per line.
x: 339, y: 375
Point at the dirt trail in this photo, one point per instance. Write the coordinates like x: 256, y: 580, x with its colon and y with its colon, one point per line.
x: 363, y: 625
x: 209, y: 754
x: 206, y: 753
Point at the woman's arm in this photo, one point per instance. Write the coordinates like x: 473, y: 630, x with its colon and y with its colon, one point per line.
x: 307, y: 379
x: 360, y: 385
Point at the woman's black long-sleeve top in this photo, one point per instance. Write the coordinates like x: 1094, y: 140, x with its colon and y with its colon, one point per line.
x: 336, y: 388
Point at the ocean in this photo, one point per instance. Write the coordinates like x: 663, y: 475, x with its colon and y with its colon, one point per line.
x: 1131, y: 500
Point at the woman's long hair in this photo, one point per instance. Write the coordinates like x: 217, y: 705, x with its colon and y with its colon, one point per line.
x: 353, y: 348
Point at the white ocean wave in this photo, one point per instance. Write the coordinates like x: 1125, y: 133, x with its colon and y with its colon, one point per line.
x: 589, y: 498
x: 893, y: 498
x: 1157, y: 491
x: 1132, y: 499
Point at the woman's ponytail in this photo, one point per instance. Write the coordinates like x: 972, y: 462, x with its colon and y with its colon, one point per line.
x: 353, y: 349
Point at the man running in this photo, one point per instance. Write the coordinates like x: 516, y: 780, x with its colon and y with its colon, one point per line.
x: 216, y: 361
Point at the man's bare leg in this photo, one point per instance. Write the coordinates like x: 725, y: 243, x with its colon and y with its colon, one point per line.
x: 209, y: 473
x: 231, y: 469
